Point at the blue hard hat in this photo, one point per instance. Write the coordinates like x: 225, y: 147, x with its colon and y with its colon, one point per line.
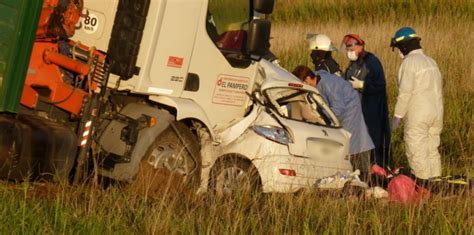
x: 403, y: 34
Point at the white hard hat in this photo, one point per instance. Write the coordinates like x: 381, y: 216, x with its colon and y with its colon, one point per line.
x: 320, y: 42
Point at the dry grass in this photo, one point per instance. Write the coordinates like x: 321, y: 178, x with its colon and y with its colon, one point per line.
x: 366, y: 11
x: 448, y: 43
x: 40, y: 209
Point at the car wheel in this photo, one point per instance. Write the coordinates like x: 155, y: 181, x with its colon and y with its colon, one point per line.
x: 232, y: 175
x: 172, y: 164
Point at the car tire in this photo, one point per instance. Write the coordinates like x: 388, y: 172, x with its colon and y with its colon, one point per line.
x: 234, y: 175
x: 155, y: 182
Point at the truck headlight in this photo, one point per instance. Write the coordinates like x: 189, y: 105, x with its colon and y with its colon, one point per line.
x: 273, y: 133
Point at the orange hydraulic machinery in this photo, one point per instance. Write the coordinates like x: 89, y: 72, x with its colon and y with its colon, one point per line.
x: 62, y: 72
x: 61, y: 99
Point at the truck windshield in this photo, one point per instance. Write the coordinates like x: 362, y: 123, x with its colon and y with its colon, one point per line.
x: 301, y: 105
x: 227, y: 23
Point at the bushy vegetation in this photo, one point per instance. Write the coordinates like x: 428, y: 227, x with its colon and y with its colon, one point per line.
x: 446, y: 28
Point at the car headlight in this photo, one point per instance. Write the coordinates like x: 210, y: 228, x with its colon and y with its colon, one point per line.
x: 273, y: 133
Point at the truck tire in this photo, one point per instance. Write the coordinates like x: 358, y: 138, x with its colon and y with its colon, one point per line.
x: 233, y: 176
x: 182, y: 171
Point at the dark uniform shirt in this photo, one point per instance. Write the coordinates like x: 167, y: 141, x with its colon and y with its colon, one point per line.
x: 329, y: 65
x: 374, y: 103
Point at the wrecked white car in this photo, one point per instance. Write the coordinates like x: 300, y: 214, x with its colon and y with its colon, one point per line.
x: 288, y: 140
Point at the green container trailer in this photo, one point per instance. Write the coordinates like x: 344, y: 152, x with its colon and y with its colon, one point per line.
x: 18, y: 23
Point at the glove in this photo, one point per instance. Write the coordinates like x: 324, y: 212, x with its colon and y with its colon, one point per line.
x: 356, y: 83
x: 395, y: 123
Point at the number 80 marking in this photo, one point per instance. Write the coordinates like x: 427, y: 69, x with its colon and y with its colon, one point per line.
x: 92, y: 21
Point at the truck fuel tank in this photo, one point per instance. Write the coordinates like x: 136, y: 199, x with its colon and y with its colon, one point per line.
x: 32, y: 147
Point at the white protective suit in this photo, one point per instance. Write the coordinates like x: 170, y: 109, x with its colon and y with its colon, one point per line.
x: 420, y: 104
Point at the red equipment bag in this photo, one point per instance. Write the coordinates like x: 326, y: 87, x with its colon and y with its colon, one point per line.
x: 403, y: 189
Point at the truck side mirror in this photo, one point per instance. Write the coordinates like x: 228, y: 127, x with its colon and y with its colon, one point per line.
x: 263, y: 6
x: 258, y: 37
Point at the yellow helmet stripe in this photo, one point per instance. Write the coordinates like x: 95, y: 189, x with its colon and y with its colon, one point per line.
x: 413, y: 35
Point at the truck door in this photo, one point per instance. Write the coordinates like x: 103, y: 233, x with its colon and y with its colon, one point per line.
x: 170, y: 62
x: 220, y: 73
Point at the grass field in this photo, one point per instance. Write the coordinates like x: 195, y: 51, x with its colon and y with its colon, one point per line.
x: 446, y: 28
x: 446, y: 36
x: 45, y: 209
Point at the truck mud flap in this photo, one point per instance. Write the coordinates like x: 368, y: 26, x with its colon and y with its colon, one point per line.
x: 35, y: 148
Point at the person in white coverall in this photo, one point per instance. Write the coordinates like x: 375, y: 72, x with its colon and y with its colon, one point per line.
x: 419, y: 104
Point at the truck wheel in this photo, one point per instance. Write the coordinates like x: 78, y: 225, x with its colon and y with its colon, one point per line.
x: 230, y: 176
x: 170, y: 165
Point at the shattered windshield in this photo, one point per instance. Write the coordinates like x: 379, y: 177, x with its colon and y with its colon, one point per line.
x: 300, y: 105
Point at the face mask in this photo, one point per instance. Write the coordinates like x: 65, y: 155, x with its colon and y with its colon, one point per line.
x: 351, y: 55
x: 401, y: 54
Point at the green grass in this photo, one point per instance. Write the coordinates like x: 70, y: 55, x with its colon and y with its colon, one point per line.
x: 48, y: 209
x: 446, y: 28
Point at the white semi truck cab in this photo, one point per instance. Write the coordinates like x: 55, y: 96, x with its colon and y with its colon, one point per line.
x: 181, y: 61
x: 198, y: 56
